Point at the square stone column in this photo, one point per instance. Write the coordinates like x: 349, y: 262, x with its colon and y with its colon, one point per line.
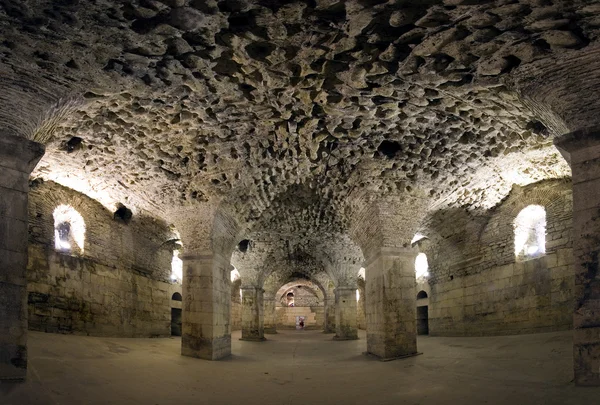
x: 391, y: 303
x: 346, y: 309
x: 18, y: 157
x: 581, y: 149
x: 206, y: 307
x: 270, y: 316
x: 252, y: 314
x: 329, y: 326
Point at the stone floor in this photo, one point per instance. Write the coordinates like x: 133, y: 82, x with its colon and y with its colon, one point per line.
x: 299, y: 367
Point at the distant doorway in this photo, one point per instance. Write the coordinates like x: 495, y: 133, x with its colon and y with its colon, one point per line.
x: 300, y: 322
x: 175, y: 321
x: 176, y: 316
x: 422, y: 314
x: 423, y: 320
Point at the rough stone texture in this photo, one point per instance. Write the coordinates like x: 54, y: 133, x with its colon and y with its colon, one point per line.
x: 18, y: 157
x: 270, y: 317
x: 346, y: 327
x: 254, y: 104
x: 206, y: 332
x: 477, y: 285
x: 323, y: 131
x: 208, y: 237
x: 252, y: 314
x: 119, y: 286
x: 391, y: 303
x: 582, y: 151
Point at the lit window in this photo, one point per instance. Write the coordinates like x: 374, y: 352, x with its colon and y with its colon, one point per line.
x: 235, y: 274
x: 361, y: 273
x: 176, y: 267
x: 530, y: 232
x: 69, y: 229
x: 421, y: 267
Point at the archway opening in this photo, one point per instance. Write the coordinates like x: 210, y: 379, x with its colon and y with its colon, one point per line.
x: 422, y: 313
x: 176, y: 300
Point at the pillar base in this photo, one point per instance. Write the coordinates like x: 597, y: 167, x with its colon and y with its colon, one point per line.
x: 337, y: 338
x: 254, y: 339
x: 405, y: 356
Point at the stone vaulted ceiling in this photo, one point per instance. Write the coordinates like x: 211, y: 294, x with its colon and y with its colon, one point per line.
x: 287, y: 110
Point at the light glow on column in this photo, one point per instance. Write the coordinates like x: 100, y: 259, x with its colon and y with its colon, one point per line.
x: 357, y: 295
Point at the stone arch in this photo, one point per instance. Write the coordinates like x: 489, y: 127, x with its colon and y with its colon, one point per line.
x: 554, y: 195
x: 176, y: 296
x: 422, y: 294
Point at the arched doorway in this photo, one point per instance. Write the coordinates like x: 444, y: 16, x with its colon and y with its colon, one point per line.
x: 176, y: 314
x: 422, y: 313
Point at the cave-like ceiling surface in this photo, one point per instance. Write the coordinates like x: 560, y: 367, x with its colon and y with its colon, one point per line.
x: 285, y: 108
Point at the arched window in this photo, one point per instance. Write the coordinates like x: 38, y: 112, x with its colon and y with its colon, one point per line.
x: 422, y: 294
x: 176, y: 267
x: 530, y: 232
x: 361, y: 273
x: 177, y: 297
x: 421, y: 267
x: 69, y: 229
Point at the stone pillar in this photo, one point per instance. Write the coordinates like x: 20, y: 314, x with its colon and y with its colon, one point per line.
x: 270, y: 316
x: 581, y: 149
x: 346, y: 327
x: 252, y: 314
x: 329, y: 326
x: 206, y: 307
x: 18, y: 157
x: 391, y: 303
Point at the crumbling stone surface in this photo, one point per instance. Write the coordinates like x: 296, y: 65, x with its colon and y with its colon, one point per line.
x: 282, y: 116
x: 191, y: 100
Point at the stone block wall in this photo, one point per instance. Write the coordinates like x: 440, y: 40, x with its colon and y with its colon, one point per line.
x: 479, y: 288
x: 119, y: 286
x: 236, y: 315
x: 314, y: 316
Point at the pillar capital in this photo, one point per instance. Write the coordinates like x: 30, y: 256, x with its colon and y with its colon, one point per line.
x: 251, y: 288
x: 404, y: 252
x: 579, y: 146
x: 341, y: 289
x: 19, y: 153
